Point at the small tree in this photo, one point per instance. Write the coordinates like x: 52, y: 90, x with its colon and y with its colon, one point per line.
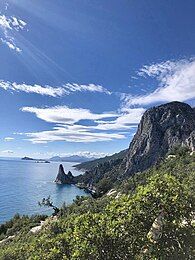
x: 47, y: 202
x: 179, y: 150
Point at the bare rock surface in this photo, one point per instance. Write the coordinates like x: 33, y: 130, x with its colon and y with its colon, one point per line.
x: 63, y: 178
x: 161, y: 128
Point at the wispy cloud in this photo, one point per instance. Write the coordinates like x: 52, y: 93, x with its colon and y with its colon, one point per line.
x: 9, y: 26
x: 52, y: 91
x: 8, y: 139
x: 41, y: 90
x: 70, y: 134
x: 129, y: 118
x: 66, y: 115
x: 175, y: 79
x: 72, y: 87
x: 69, y: 126
x: 87, y: 154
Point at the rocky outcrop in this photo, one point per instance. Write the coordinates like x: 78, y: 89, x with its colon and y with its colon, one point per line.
x: 161, y: 128
x: 191, y: 141
x: 38, y: 228
x: 63, y: 178
x: 8, y: 239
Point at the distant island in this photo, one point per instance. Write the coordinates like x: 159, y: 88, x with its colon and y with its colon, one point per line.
x: 36, y: 160
x: 28, y: 158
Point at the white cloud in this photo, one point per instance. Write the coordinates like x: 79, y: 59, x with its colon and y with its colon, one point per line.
x: 87, y: 154
x: 50, y: 90
x: 11, y: 45
x: 69, y: 127
x: 176, y: 82
x: 9, y: 27
x: 8, y: 139
x: 5, y: 23
x: 11, y: 23
x: 68, y: 134
x: 128, y: 119
x: 72, y: 87
x: 42, y: 90
x: 65, y: 115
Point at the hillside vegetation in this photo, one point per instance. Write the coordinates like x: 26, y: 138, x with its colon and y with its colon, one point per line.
x: 149, y: 216
x: 91, y: 164
x: 102, y: 174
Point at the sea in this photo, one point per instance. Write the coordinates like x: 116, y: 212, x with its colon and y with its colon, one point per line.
x: 24, y: 183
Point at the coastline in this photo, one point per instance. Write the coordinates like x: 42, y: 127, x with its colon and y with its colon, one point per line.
x: 30, y: 183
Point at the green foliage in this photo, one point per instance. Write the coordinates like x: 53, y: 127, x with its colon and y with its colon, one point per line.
x: 104, y: 185
x: 179, y: 150
x: 19, y: 224
x: 117, y: 228
x: 47, y: 202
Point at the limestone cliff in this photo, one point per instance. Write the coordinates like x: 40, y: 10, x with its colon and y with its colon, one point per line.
x: 161, y: 128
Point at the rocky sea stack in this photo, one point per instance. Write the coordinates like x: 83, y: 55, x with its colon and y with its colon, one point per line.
x: 63, y: 178
x: 161, y: 129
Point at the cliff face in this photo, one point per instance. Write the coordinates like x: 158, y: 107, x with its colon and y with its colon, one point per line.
x: 161, y: 128
x: 63, y: 178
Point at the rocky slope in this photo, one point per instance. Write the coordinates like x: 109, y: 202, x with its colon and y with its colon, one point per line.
x: 161, y: 128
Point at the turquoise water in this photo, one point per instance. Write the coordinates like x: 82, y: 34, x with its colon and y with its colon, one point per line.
x: 24, y: 183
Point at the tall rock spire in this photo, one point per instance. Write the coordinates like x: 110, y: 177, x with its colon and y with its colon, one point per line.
x: 62, y: 177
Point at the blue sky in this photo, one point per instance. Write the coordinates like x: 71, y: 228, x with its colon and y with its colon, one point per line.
x: 76, y: 76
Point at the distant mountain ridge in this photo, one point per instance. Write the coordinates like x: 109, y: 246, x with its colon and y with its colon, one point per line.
x: 93, y: 163
x: 72, y: 158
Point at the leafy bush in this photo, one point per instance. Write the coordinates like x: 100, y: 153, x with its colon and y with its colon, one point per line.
x: 179, y: 150
x: 19, y: 223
